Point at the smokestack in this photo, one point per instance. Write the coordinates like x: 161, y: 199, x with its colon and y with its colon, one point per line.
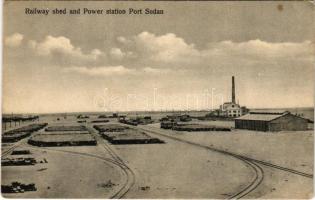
x: 233, y: 90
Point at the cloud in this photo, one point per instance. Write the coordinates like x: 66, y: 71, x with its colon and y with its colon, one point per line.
x: 56, y: 44
x: 115, y: 70
x: 164, y: 48
x: 172, y: 49
x: 96, y: 53
x: 64, y: 51
x: 262, y: 49
x: 116, y: 53
x: 148, y: 53
x: 100, y: 71
x: 122, y: 40
x: 14, y: 40
x: 156, y: 70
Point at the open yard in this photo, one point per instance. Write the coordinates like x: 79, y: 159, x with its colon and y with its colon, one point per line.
x: 174, y: 169
x: 290, y: 149
x: 66, y: 174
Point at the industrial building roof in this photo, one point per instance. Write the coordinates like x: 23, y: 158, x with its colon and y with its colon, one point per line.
x: 262, y: 116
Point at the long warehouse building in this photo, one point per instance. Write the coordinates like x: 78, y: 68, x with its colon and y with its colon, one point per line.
x: 271, y: 122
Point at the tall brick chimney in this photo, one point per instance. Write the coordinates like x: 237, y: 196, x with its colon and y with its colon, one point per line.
x: 233, y: 90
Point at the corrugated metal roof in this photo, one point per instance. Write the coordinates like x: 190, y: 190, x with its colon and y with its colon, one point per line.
x: 261, y: 116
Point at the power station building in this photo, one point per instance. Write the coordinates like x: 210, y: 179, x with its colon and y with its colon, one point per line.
x: 260, y: 121
x: 232, y: 109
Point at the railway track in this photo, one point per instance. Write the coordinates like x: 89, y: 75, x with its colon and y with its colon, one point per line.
x: 126, y: 170
x: 252, y: 163
x: 18, y: 143
x: 259, y: 177
x: 259, y: 174
x: 131, y: 177
x: 116, y: 160
x: 234, y: 154
x: 15, y: 145
x: 258, y: 171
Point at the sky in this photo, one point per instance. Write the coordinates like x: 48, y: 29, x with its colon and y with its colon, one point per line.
x: 181, y: 60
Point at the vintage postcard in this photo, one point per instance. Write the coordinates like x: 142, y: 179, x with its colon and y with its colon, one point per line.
x: 158, y: 99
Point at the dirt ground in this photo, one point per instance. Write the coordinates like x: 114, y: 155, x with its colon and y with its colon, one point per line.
x: 66, y: 175
x: 289, y: 149
x: 170, y: 170
x: 176, y: 170
x: 292, y: 149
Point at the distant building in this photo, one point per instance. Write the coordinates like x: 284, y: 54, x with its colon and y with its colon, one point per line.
x: 232, y: 109
x: 260, y: 121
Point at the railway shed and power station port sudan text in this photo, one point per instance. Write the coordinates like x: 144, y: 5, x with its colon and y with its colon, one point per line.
x: 89, y: 11
x: 130, y: 11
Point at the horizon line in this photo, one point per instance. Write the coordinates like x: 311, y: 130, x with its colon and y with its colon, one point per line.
x: 161, y: 110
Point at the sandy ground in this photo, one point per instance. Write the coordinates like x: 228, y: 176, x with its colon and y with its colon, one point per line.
x: 173, y: 169
x: 282, y: 185
x: 294, y: 151
x: 67, y: 174
x: 177, y: 170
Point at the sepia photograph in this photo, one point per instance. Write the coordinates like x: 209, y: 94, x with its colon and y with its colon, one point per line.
x: 158, y: 99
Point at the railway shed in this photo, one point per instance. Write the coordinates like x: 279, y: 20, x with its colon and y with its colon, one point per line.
x: 266, y: 121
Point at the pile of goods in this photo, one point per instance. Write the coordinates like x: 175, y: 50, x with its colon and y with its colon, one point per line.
x: 118, y: 134
x: 63, y: 136
x: 17, y: 187
x: 20, y: 133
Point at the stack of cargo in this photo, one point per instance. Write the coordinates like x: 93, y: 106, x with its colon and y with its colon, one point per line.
x: 118, y: 134
x: 102, y: 116
x: 130, y: 136
x: 82, y: 117
x: 110, y: 128
x: 20, y: 133
x: 132, y: 122
x: 65, y: 128
x: 21, y: 152
x: 14, y: 137
x: 18, y: 161
x: 63, y: 136
x: 137, y: 120
x: 53, y: 140
x: 167, y: 124
x: 17, y: 187
x: 100, y: 121
x: 198, y: 127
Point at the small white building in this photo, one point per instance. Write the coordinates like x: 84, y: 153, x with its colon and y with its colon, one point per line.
x: 231, y: 109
